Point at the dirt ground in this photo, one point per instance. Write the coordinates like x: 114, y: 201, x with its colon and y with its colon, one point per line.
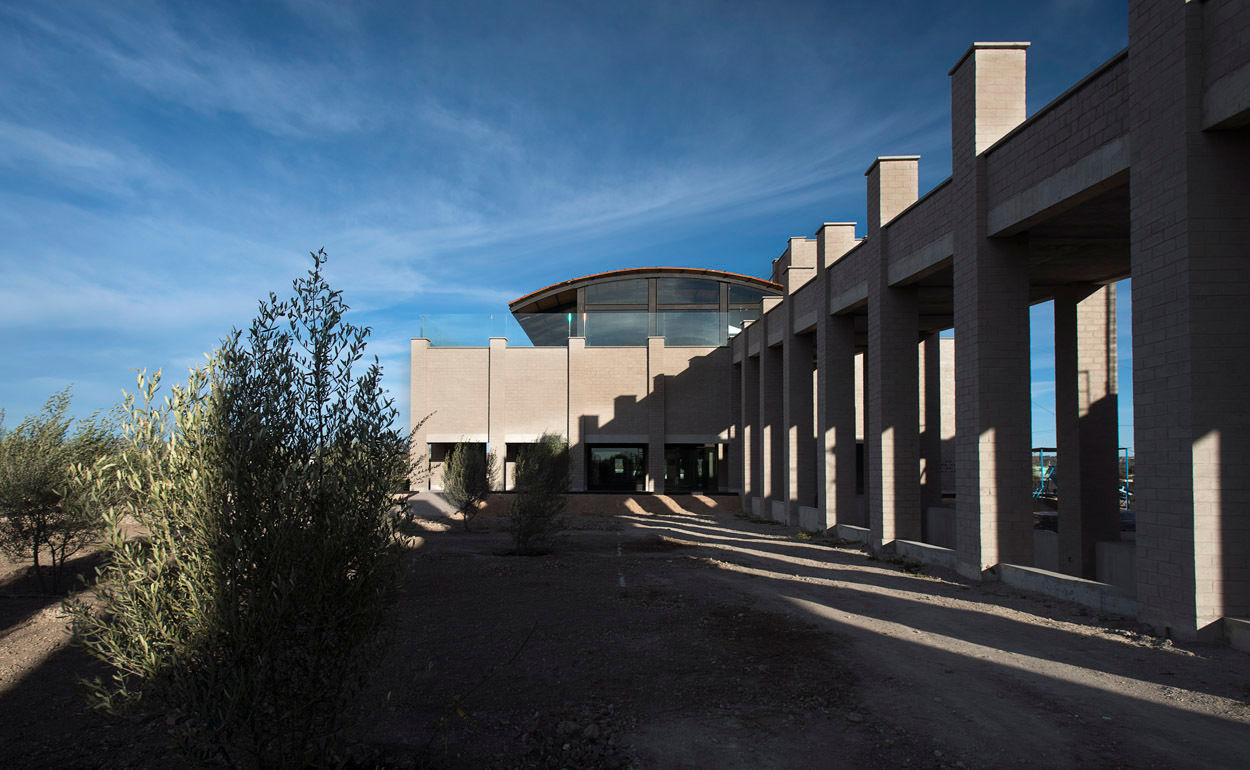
x: 678, y: 641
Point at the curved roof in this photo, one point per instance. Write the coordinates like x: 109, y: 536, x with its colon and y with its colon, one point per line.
x: 555, y: 294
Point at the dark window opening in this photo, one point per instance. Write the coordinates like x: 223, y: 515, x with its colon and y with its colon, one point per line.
x: 687, y: 291
x: 746, y: 295
x: 549, y: 327
x: 440, y: 453
x: 859, y: 467
x: 632, y: 291
x: 616, y: 468
x: 691, y: 468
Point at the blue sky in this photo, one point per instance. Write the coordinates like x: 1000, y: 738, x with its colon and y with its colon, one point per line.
x: 164, y: 165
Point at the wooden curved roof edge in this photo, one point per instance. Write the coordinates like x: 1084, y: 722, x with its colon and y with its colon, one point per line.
x: 636, y: 272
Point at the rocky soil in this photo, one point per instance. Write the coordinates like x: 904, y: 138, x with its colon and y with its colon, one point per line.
x: 681, y: 641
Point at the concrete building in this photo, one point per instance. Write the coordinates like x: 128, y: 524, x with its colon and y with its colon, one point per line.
x: 842, y: 403
x: 632, y: 366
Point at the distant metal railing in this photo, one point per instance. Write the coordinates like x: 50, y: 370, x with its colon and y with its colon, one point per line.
x: 697, y: 328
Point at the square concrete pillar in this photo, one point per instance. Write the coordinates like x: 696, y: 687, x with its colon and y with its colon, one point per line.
x: 993, y: 518
x: 864, y: 441
x: 893, y: 365
x: 833, y: 240
x: 656, y: 427
x: 893, y: 185
x: 577, y: 381
x: 1190, y: 195
x: 893, y: 415
x: 799, y: 421
x: 1086, y: 417
x: 496, y: 405
x: 835, y: 385
x: 752, y: 483
x: 773, y: 432
x: 987, y: 97
x: 836, y: 399
x: 418, y: 411
x: 800, y: 261
x: 729, y: 455
x: 931, y: 393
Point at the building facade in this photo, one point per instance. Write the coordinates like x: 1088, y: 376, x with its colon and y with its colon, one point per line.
x: 632, y: 366
x: 846, y: 403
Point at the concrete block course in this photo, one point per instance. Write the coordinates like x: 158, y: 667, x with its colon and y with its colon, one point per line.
x: 1098, y: 596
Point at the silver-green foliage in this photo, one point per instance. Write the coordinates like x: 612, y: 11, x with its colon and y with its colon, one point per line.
x: 542, y: 479
x: 41, y: 512
x: 467, y: 475
x: 253, y: 610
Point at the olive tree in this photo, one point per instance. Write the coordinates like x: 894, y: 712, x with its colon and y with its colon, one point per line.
x: 41, y: 513
x: 252, y: 611
x: 467, y: 475
x: 542, y: 479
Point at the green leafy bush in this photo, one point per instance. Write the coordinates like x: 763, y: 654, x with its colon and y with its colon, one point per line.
x: 254, y: 609
x: 467, y: 476
x: 41, y: 512
x: 542, y: 479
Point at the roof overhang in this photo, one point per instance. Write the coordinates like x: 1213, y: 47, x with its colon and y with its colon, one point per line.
x: 559, y: 293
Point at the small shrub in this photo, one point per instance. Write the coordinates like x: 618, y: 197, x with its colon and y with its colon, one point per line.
x: 253, y: 610
x: 41, y: 510
x: 542, y: 479
x: 467, y: 476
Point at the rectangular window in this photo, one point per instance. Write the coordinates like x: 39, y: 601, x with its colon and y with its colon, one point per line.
x: 745, y: 295
x: 616, y: 468
x: 687, y: 291
x: 691, y: 327
x: 609, y: 328
x: 547, y: 328
x: 632, y: 291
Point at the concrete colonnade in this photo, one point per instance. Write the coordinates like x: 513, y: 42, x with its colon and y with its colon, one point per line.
x: 967, y: 280
x: 1037, y: 209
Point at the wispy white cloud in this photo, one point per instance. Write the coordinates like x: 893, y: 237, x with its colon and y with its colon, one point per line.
x: 22, y: 143
x: 582, y: 209
x: 61, y: 299
x: 80, y: 163
x: 149, y: 47
x: 442, y: 164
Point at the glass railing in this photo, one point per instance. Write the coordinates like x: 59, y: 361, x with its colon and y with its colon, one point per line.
x: 471, y: 330
x: 602, y: 328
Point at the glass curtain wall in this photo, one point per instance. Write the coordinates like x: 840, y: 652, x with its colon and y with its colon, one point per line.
x: 702, y: 312
x: 743, y: 305
x: 550, y: 327
x: 685, y: 311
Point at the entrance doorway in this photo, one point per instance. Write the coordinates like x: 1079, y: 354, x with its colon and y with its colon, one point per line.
x: 690, y: 468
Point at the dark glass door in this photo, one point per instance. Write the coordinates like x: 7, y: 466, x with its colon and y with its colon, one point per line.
x: 690, y: 468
